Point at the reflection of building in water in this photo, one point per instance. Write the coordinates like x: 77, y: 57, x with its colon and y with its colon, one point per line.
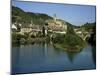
x: 56, y: 25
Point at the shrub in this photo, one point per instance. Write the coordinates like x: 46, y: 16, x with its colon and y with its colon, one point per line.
x: 59, y: 39
x: 73, y: 40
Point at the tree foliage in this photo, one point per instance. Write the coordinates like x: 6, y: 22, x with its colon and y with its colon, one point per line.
x: 70, y: 40
x: 89, y: 26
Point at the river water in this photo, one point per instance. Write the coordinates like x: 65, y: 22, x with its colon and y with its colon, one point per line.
x: 43, y: 57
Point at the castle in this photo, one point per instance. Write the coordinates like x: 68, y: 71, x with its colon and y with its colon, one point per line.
x: 57, y: 25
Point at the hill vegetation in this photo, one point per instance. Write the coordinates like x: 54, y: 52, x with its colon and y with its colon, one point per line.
x: 69, y: 42
x: 91, y: 27
x: 18, y: 15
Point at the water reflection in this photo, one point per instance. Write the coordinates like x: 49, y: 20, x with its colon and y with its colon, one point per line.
x: 94, y: 54
x: 43, y: 57
x: 71, y: 56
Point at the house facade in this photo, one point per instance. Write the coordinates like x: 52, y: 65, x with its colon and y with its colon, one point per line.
x: 57, y: 25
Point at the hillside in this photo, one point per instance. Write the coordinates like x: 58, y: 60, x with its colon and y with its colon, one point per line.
x: 89, y: 26
x: 26, y: 17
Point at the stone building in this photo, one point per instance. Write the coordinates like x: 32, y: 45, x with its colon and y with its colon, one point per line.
x: 56, y: 25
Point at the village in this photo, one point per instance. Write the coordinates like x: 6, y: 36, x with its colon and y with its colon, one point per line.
x: 50, y: 29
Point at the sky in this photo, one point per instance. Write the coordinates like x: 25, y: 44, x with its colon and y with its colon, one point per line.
x: 74, y: 14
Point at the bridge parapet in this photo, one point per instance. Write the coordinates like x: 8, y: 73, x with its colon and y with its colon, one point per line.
x: 83, y: 34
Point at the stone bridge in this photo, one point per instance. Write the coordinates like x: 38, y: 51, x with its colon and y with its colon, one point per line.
x: 84, y: 34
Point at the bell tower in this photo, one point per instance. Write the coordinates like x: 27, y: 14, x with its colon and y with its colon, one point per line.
x: 55, y: 17
x: 31, y: 23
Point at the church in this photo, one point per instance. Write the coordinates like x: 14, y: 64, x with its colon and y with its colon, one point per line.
x: 56, y: 25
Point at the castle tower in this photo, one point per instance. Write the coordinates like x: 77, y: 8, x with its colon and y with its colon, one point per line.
x: 55, y: 17
x: 31, y: 23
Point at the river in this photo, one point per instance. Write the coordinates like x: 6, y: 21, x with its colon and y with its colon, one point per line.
x: 43, y: 57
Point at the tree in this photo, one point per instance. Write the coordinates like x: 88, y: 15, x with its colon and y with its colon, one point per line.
x: 43, y: 31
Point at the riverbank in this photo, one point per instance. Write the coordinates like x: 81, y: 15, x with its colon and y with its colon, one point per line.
x: 31, y: 40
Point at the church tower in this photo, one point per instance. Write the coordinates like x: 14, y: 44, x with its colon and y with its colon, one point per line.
x: 31, y: 24
x: 55, y: 17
